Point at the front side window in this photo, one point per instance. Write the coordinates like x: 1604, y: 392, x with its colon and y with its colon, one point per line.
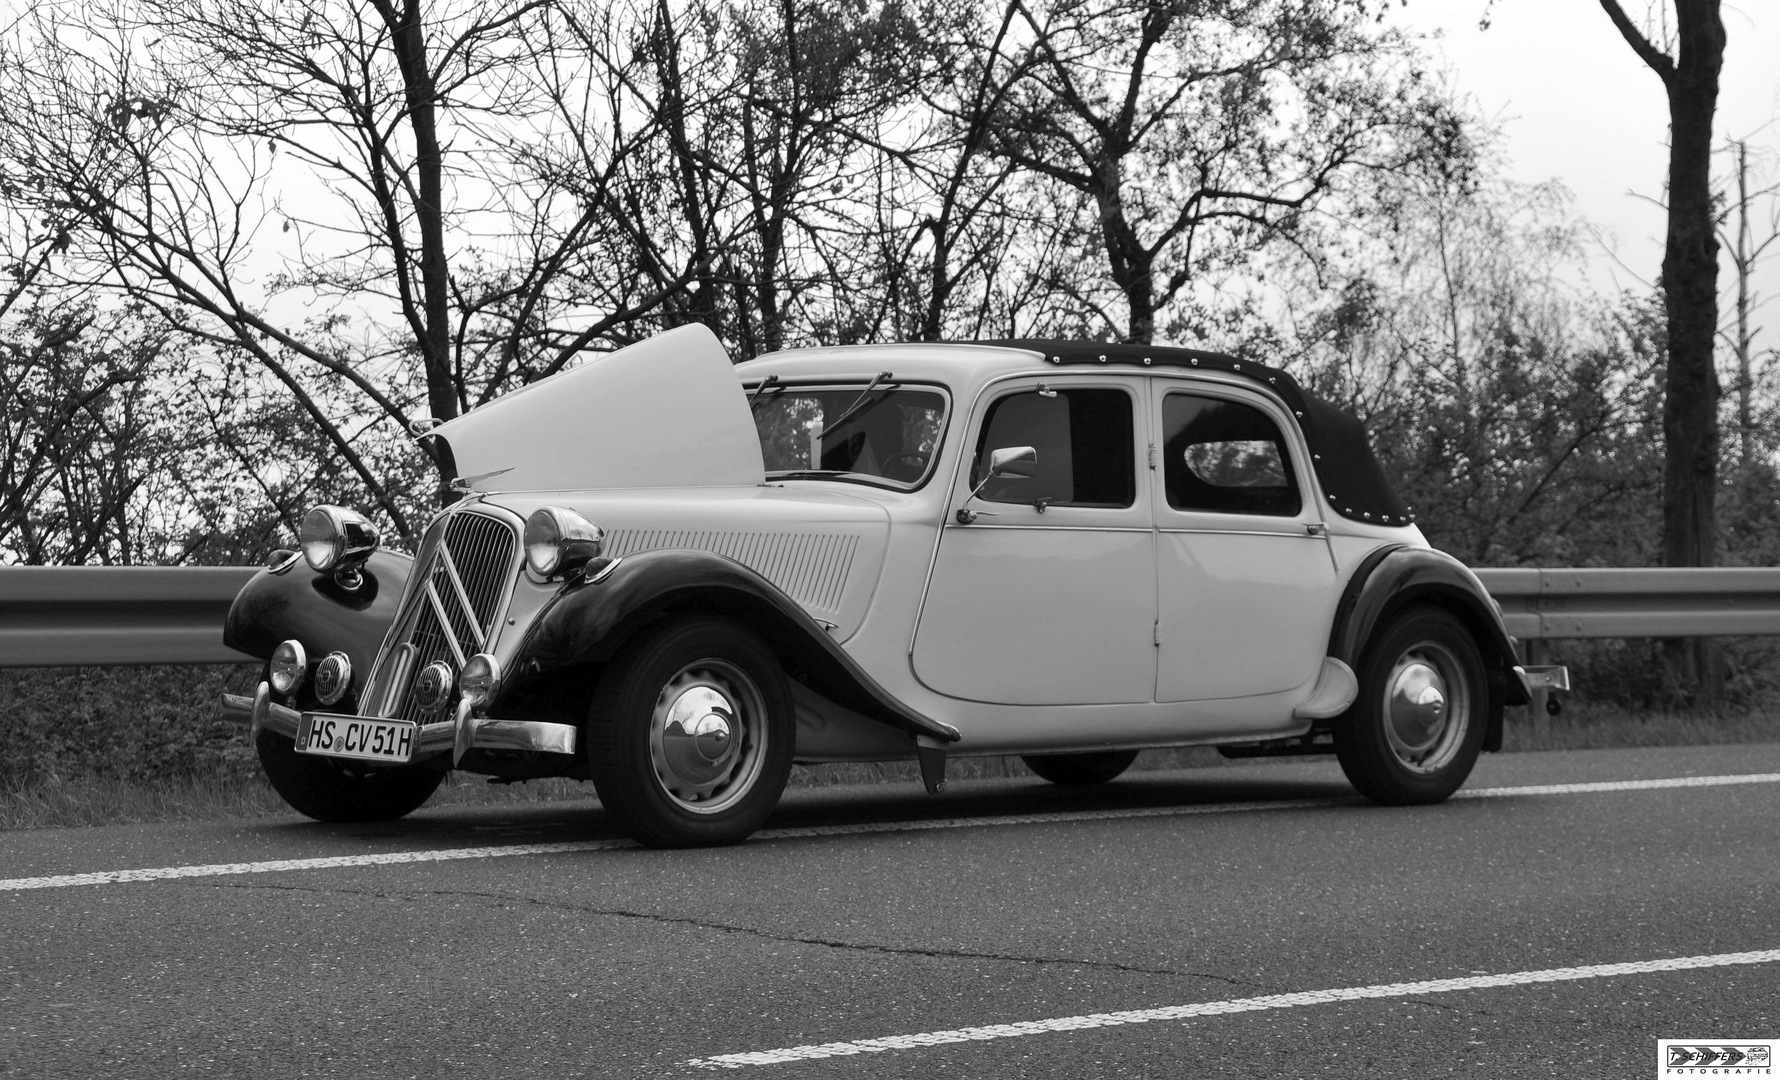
x: 843, y: 432
x: 1224, y: 456
x: 1085, y: 444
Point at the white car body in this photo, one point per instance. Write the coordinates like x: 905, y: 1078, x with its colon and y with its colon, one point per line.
x: 1221, y: 597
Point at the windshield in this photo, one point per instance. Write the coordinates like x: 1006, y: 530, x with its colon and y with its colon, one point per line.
x: 888, y: 434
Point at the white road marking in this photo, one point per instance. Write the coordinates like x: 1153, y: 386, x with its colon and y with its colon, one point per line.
x: 1217, y: 1008
x: 112, y: 877
x: 388, y: 858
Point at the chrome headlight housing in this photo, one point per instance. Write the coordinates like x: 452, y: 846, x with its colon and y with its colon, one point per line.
x: 335, y: 538
x: 559, y: 541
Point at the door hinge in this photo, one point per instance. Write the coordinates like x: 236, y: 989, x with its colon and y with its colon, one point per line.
x: 1152, y: 455
x: 1156, y: 634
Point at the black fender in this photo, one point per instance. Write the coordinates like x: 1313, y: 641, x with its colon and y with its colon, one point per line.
x: 589, y: 621
x: 294, y: 601
x: 1393, y: 576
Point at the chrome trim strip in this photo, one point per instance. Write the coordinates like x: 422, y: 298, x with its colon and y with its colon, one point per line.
x: 1287, y: 534
x: 446, y: 629
x: 463, y: 597
x: 978, y: 526
x: 402, y: 670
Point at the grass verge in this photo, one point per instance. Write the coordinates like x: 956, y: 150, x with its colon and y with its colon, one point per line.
x: 54, y: 802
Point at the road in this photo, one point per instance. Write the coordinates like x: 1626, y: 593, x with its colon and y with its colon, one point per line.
x: 1564, y: 913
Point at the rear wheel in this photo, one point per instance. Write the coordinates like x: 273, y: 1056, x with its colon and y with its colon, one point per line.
x: 1414, y: 732
x: 1080, y: 769
x: 329, y: 789
x: 689, y: 734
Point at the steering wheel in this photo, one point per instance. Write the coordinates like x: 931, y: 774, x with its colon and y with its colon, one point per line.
x: 908, y: 465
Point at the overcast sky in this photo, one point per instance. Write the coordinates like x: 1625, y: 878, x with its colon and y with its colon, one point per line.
x: 1578, y: 106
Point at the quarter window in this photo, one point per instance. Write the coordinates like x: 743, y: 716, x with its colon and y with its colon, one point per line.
x: 1084, y: 439
x: 1226, y: 457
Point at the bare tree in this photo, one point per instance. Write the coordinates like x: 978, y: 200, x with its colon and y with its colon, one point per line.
x: 239, y: 168
x: 1199, y: 133
x: 1690, y: 291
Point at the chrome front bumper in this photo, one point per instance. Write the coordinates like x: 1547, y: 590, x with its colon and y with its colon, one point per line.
x: 463, y: 732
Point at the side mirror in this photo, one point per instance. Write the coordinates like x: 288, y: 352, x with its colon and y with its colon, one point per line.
x: 1009, y: 461
x: 1021, y: 461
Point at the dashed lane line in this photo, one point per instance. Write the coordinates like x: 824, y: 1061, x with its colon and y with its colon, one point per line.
x: 392, y: 858
x: 1218, y: 1008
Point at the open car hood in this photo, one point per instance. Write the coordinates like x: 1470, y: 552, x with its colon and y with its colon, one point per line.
x: 666, y: 412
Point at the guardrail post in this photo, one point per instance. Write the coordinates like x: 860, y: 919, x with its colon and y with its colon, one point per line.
x: 1538, y: 651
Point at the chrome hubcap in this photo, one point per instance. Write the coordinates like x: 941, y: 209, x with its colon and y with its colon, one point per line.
x: 706, y: 735
x: 1427, y: 707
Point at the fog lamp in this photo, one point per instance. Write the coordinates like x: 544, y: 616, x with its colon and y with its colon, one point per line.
x: 289, y: 664
x: 481, y: 677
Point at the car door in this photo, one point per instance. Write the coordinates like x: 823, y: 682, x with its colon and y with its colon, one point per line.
x: 1047, y: 597
x: 1245, y: 577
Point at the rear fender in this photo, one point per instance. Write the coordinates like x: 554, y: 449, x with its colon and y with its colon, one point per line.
x: 296, y: 602
x: 1393, y: 577
x: 589, y: 621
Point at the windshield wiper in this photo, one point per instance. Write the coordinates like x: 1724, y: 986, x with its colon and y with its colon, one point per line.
x: 859, y: 405
x: 754, y: 398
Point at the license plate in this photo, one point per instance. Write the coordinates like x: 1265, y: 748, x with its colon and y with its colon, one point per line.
x: 361, y: 737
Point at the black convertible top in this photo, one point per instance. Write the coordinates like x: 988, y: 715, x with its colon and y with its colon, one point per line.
x: 1339, y: 450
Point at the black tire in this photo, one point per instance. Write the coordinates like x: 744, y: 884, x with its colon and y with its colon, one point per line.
x: 329, y: 789
x: 1080, y: 769
x: 669, y: 787
x: 1399, y: 744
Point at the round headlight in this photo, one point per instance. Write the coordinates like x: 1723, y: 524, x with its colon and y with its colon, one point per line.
x: 559, y: 541
x: 289, y: 664
x: 332, y: 677
x: 481, y: 677
x: 333, y: 536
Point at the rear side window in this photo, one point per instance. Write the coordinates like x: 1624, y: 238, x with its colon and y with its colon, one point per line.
x: 1085, y: 444
x: 1224, y: 456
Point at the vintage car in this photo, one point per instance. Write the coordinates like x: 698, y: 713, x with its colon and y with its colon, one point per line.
x: 676, y: 576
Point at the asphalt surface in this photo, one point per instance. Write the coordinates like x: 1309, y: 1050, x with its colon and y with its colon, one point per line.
x: 1009, y: 910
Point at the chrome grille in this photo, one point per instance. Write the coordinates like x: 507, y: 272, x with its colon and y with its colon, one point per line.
x: 451, y: 610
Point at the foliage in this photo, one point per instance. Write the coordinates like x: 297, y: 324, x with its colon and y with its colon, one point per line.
x: 65, y: 723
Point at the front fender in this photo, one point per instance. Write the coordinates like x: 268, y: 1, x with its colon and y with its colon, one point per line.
x: 1394, y: 576
x: 296, y: 602
x: 590, y: 621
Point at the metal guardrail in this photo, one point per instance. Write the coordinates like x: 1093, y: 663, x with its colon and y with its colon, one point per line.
x: 55, y: 616
x: 1547, y: 604
x: 52, y: 616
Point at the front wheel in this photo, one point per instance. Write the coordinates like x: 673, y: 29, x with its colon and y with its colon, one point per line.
x: 329, y: 789
x: 1080, y: 769
x: 689, y: 734
x: 1416, y: 728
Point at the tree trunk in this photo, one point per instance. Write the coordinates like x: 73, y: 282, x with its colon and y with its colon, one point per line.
x: 1690, y: 296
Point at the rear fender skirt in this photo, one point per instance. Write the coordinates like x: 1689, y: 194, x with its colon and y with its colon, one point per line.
x: 590, y: 620
x: 1391, y: 577
x: 296, y: 602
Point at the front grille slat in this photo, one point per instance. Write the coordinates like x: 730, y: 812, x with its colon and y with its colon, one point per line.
x: 484, y: 551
